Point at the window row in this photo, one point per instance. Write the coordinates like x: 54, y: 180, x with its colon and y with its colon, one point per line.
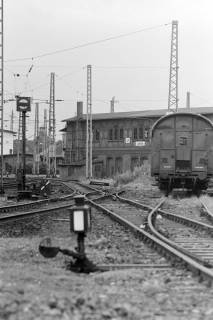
x: 118, y: 134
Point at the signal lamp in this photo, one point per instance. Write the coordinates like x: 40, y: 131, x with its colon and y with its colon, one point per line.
x: 80, y: 216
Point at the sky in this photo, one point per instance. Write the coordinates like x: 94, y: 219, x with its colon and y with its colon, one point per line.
x: 132, y: 68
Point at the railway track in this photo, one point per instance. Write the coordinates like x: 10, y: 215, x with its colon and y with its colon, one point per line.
x: 191, y: 237
x: 72, y: 188
x: 143, y: 220
x: 83, y: 188
x: 197, y: 255
x: 44, y: 206
x: 143, y: 258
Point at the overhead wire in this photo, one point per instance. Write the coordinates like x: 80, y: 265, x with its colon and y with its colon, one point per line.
x: 77, y: 47
x: 89, y: 43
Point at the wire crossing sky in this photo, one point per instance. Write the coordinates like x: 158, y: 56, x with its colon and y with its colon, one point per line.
x: 127, y: 43
x: 88, y: 43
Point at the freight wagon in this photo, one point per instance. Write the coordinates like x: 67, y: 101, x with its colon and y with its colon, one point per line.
x: 182, y: 151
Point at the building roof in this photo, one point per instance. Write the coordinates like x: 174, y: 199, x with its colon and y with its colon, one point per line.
x: 139, y: 114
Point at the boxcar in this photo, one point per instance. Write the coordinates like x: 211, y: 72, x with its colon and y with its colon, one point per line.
x: 182, y: 151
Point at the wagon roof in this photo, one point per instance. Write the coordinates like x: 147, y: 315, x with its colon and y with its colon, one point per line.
x: 180, y: 114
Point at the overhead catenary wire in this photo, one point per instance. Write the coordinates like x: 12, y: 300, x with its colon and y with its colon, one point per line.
x: 89, y: 43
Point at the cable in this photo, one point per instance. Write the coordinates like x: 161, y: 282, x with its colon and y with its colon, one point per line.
x: 129, y: 67
x: 89, y: 43
x: 94, y: 66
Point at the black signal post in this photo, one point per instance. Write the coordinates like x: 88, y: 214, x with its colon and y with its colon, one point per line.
x: 23, y: 105
x: 80, y: 223
x: 23, y: 149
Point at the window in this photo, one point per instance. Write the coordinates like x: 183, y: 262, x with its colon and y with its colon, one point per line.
x: 203, y: 161
x: 164, y: 160
x: 140, y: 133
x: 121, y: 133
x: 97, y: 135
x: 110, y: 134
x: 183, y: 141
x: 73, y: 156
x: 116, y: 133
x: 135, y: 133
x: 146, y: 133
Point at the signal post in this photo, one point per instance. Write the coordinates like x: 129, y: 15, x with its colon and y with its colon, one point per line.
x: 23, y: 105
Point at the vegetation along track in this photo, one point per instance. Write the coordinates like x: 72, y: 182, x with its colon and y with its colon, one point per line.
x: 144, y: 222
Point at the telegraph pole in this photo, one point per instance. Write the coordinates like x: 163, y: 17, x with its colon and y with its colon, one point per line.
x: 45, y: 148
x: 173, y: 75
x: 12, y: 127
x: 89, y: 124
x: 52, y: 129
x: 36, y: 141
x: 2, y: 91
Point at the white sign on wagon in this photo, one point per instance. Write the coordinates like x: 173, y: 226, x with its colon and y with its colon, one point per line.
x: 140, y: 143
x: 127, y: 140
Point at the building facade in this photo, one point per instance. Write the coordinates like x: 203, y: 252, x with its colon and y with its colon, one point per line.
x: 8, y: 138
x: 121, y: 141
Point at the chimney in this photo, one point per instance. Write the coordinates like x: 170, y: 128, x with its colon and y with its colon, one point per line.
x: 188, y: 100
x: 112, y: 105
x: 79, y: 109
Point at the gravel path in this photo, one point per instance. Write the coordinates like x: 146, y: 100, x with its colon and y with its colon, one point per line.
x: 34, y: 288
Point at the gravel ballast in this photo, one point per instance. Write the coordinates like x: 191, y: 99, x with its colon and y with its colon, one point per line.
x: 32, y: 287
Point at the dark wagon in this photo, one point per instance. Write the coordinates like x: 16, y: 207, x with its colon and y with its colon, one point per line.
x: 182, y: 151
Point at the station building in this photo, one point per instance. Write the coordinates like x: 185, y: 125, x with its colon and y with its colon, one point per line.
x: 121, y: 140
x: 8, y: 139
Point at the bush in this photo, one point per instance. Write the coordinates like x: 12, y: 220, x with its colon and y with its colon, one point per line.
x: 129, y: 176
x: 29, y: 168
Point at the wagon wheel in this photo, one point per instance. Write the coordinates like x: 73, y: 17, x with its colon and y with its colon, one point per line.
x: 169, y: 186
x: 196, y: 187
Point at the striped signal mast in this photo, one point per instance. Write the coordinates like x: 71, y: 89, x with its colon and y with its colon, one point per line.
x: 89, y: 124
x: 52, y: 129
x: 173, y: 75
x: 36, y: 156
x: 1, y: 91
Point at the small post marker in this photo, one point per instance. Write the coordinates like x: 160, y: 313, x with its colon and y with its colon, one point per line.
x: 80, y: 223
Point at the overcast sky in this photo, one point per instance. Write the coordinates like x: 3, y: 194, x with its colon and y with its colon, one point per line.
x: 134, y: 69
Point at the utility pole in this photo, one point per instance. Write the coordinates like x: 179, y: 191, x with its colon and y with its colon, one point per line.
x: 173, y: 75
x: 2, y: 91
x: 36, y: 141
x: 52, y: 129
x: 89, y: 124
x: 44, y: 145
x: 12, y: 127
x: 77, y: 139
x: 188, y: 100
